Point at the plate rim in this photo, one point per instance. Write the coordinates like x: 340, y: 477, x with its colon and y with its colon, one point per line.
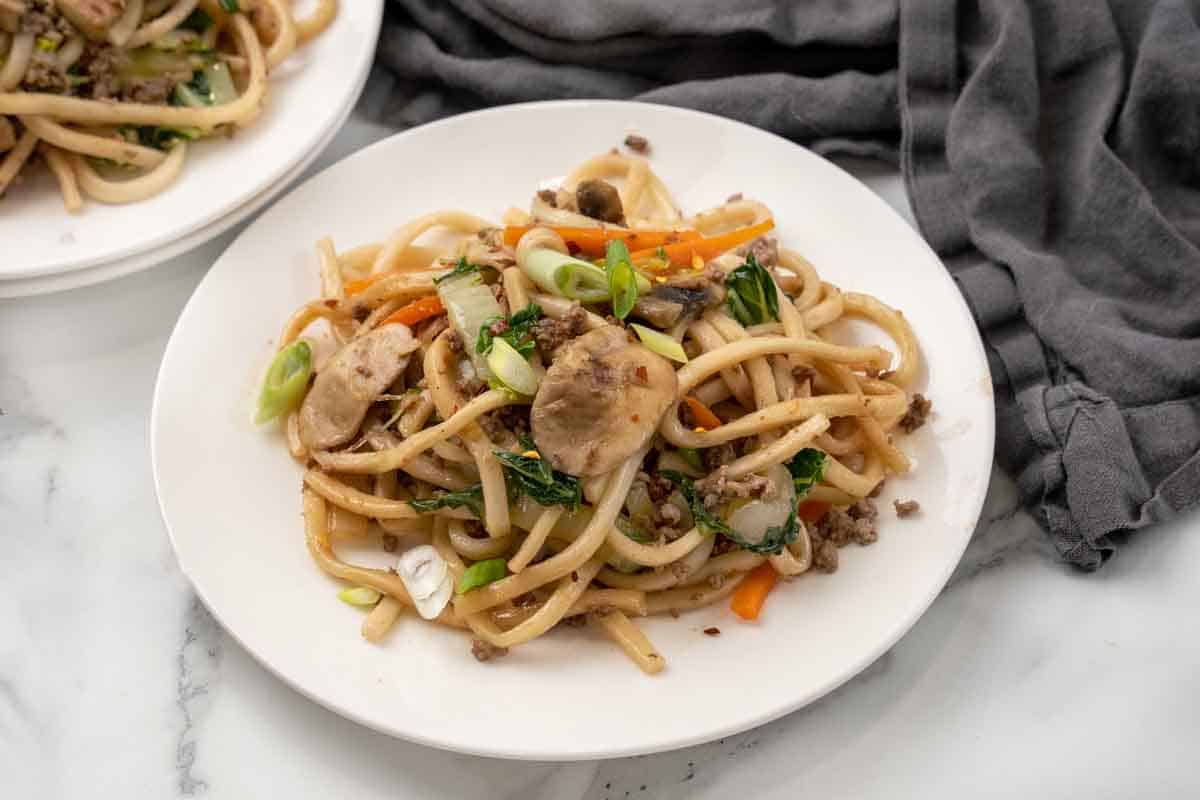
x: 197, y: 232
x: 896, y: 632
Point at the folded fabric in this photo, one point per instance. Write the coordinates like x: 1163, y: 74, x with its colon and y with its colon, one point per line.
x: 1050, y: 154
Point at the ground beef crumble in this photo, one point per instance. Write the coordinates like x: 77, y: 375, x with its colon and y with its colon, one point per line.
x: 549, y: 197
x: 765, y: 250
x: 839, y: 528
x: 917, y: 414
x: 485, y: 651
x: 906, y: 508
x: 550, y: 333
x: 718, y: 487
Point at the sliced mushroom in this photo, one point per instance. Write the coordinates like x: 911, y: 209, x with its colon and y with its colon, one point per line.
x: 681, y: 297
x: 350, y: 382
x: 599, y: 200
x: 600, y: 402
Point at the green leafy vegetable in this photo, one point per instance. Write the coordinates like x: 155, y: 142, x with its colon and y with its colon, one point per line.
x: 156, y: 137
x: 535, y: 477
x: 470, y: 497
x: 807, y: 468
x: 752, y: 297
x: 230, y: 6
x: 198, y: 21
x: 286, y: 381
x: 518, y: 333
x: 622, y: 280
x: 460, y: 269
x: 773, y: 541
x: 481, y: 573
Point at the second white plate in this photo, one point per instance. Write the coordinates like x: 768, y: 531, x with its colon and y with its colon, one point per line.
x: 308, y: 99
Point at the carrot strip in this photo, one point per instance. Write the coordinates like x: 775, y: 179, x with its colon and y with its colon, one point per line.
x: 416, y: 311
x: 748, y: 600
x: 812, y: 510
x: 705, y: 418
x: 594, y: 241
x: 682, y: 253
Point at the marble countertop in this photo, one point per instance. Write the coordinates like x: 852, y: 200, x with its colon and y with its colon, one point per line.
x: 1025, y: 678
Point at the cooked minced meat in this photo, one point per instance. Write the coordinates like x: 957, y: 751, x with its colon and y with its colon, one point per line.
x: 44, y: 75
x: 549, y: 197
x: 152, y: 91
x: 638, y: 144
x: 824, y: 555
x: 765, y: 250
x: 855, y: 524
x: 486, y: 651
x: 716, y: 457
x: 551, y: 333
x: 917, y: 414
x: 505, y: 424
x: 100, y: 65
x: 42, y: 19
x: 906, y: 508
x: 718, y: 487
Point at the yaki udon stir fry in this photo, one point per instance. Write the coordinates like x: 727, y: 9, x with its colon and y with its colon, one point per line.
x: 597, y: 411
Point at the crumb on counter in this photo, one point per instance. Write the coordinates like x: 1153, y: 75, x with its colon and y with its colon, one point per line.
x: 906, y: 508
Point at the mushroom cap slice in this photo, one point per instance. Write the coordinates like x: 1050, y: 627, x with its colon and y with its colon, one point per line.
x: 350, y: 382
x: 600, y: 402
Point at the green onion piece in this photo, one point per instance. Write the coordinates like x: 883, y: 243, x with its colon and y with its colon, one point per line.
x: 660, y: 343
x: 230, y: 6
x: 566, y: 275
x: 481, y: 573
x: 359, y: 596
x: 286, y: 382
x: 46, y: 44
x: 511, y: 369
x: 692, y: 457
x: 622, y: 280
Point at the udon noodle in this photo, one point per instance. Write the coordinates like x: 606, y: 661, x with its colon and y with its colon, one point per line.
x: 553, y: 466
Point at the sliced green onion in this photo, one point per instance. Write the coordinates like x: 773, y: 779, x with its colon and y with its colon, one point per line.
x: 231, y: 6
x: 566, y: 275
x: 286, y: 382
x: 481, y: 573
x: 511, y: 369
x: 46, y: 44
x: 660, y: 343
x: 622, y: 280
x: 359, y: 596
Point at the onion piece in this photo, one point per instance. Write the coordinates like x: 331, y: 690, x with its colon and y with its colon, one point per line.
x: 658, y: 342
x: 752, y: 519
x: 422, y: 570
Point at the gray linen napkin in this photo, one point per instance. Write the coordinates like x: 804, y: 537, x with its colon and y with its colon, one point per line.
x: 1050, y: 151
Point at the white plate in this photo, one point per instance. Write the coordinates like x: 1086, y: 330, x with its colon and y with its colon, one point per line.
x: 308, y: 99
x: 230, y: 494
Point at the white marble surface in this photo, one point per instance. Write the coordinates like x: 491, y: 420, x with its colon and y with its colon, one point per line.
x: 1025, y: 679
